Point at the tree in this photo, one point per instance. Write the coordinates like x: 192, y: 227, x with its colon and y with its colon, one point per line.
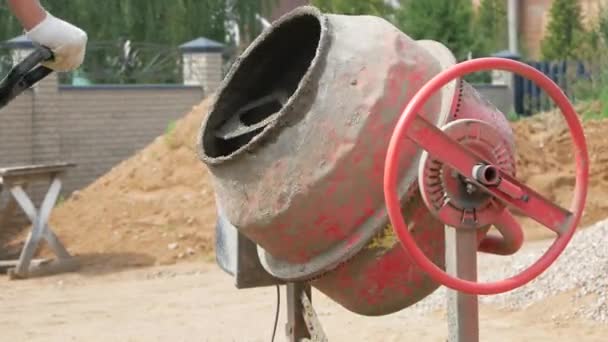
x: 448, y: 22
x: 154, y: 27
x: 153, y: 21
x: 244, y: 12
x: 565, y: 31
x: 490, y: 31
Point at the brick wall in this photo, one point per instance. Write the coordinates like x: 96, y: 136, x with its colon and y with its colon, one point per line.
x: 95, y: 127
x: 16, y: 131
x: 102, y: 126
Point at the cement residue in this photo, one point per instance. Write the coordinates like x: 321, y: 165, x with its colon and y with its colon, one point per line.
x: 384, y: 240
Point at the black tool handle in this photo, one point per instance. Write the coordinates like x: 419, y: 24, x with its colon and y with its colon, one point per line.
x: 25, y: 74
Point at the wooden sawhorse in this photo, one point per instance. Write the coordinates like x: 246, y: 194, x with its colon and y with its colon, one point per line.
x: 16, y: 180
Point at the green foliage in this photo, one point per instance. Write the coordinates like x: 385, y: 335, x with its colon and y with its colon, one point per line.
x: 170, y: 137
x: 449, y: 22
x: 9, y: 26
x: 60, y: 201
x: 353, y: 7
x: 592, y: 93
x: 152, y: 21
x: 565, y: 32
x: 491, y: 27
x: 453, y: 23
x: 243, y: 12
x: 155, y: 29
x: 595, y: 112
x: 512, y: 116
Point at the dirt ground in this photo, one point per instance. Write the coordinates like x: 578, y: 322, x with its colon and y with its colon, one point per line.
x: 198, y: 302
x: 157, y: 210
x: 545, y: 162
x: 154, y: 208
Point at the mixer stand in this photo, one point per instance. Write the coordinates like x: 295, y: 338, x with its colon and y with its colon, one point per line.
x: 302, y: 322
x: 461, y: 261
x: 463, y: 309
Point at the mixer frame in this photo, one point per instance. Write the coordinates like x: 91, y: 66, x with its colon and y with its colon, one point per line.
x: 461, y: 261
x: 462, y: 308
x: 302, y: 321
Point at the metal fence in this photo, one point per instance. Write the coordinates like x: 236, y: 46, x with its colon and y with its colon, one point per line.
x: 122, y: 62
x: 529, y: 98
x: 119, y: 62
x: 126, y: 62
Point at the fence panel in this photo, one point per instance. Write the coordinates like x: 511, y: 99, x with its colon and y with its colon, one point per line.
x: 531, y: 99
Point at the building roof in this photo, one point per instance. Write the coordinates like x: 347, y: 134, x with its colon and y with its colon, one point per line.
x: 202, y: 44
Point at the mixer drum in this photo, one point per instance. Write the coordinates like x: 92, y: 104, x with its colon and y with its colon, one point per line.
x: 382, y: 278
x: 296, y: 141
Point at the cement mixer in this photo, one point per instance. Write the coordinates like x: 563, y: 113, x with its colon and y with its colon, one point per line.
x: 348, y: 156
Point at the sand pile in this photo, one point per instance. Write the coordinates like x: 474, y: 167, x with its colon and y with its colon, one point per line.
x: 546, y: 163
x: 156, y: 207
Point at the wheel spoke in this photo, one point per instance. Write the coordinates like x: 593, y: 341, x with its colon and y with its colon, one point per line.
x: 507, y: 189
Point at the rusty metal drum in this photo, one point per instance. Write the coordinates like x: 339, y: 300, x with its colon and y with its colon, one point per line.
x: 295, y: 143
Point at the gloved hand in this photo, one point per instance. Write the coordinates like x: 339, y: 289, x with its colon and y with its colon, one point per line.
x: 67, y: 42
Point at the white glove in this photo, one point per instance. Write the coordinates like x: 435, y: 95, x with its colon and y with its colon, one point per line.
x: 67, y: 42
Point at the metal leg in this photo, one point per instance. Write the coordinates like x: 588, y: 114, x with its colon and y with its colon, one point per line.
x: 40, y: 227
x: 461, y: 261
x: 312, y: 321
x: 302, y: 321
x: 296, y: 328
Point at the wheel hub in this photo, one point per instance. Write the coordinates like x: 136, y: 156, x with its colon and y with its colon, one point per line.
x: 456, y: 200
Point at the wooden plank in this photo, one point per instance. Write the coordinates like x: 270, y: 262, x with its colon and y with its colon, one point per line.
x: 23, y: 267
x: 55, y: 266
x: 13, y: 263
x: 7, y: 264
x: 31, y: 170
x: 39, y: 220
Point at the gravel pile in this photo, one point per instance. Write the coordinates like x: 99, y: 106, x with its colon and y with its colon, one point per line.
x: 582, y: 268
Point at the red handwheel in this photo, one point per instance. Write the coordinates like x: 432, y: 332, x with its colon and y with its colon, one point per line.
x: 488, y: 177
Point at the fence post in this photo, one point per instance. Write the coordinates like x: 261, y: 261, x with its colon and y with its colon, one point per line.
x: 202, y: 63
x: 512, y: 81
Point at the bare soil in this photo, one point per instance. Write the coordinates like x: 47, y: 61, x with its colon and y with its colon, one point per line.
x: 157, y: 209
x: 198, y: 302
x: 546, y: 162
x: 158, y: 206
x: 154, y: 208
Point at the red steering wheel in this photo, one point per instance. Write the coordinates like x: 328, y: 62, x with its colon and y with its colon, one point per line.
x: 504, y: 188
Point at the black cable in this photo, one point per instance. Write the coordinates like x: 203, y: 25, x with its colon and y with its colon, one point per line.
x: 276, y: 317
